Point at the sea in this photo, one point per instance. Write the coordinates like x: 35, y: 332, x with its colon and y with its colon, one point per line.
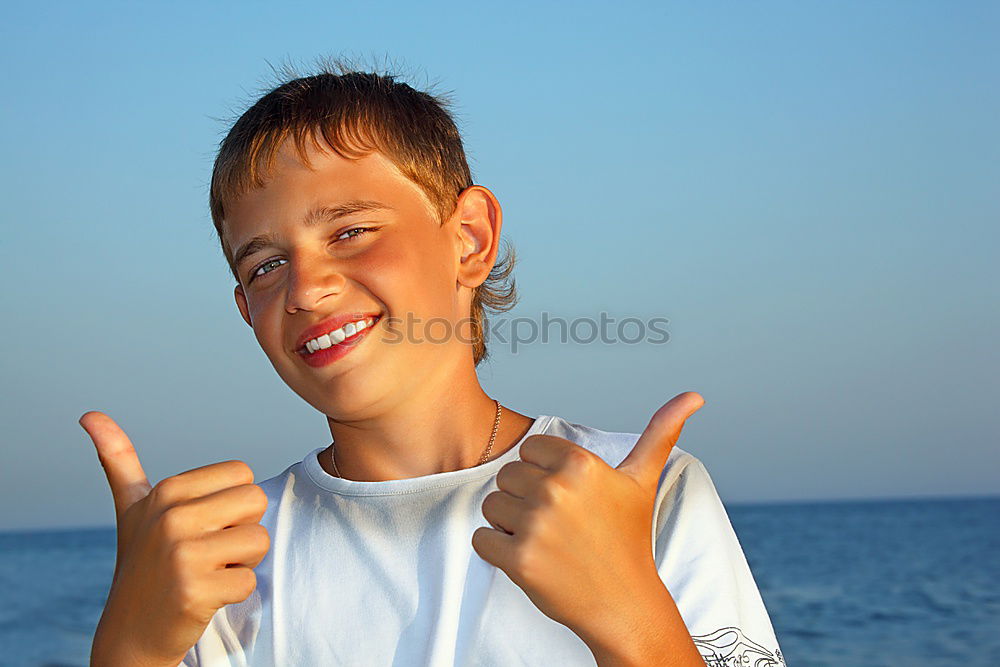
x: 847, y: 583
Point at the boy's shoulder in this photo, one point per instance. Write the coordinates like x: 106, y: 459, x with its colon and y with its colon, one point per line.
x: 274, y: 486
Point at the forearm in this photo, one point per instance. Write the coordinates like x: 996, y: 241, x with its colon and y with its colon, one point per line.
x: 645, y: 632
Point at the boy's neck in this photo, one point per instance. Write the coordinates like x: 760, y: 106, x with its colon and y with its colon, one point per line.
x: 438, y: 430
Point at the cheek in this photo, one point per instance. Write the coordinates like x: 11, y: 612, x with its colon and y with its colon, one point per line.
x: 266, y: 324
x: 257, y: 306
x: 411, y: 275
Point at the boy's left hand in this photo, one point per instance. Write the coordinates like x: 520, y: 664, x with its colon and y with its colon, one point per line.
x: 574, y: 533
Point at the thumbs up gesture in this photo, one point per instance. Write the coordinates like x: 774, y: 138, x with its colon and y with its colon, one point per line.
x: 574, y: 533
x: 186, y: 547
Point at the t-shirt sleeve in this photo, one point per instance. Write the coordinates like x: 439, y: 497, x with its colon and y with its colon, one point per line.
x: 219, y: 646
x: 702, y: 564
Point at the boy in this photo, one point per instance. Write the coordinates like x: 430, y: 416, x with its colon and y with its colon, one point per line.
x: 439, y: 527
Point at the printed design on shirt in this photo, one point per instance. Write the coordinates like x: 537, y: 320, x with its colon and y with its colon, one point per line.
x: 729, y: 647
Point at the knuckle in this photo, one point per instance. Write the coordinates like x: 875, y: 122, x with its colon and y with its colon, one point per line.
x: 192, y: 604
x: 172, y: 521
x: 522, y: 563
x: 548, y: 493
x: 663, y: 423
x: 579, y: 460
x: 532, y: 524
x: 182, y: 556
x: 166, y: 492
x: 188, y: 602
x: 661, y: 420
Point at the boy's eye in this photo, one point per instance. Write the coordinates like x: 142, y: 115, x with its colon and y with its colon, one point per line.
x: 257, y: 272
x: 348, y: 236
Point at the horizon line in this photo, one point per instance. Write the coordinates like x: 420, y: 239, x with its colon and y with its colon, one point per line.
x: 726, y: 504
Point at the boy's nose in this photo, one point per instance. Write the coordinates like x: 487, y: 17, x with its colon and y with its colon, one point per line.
x: 311, y: 281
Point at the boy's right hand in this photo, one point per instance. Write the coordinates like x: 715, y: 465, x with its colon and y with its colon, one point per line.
x: 186, y: 547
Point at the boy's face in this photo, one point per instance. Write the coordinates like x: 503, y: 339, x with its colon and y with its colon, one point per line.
x: 404, y: 265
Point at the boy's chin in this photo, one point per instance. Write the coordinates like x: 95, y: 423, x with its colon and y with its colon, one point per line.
x: 343, y: 403
x: 346, y: 396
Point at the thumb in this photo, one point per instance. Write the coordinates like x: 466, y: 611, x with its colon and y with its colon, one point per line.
x: 121, y: 464
x: 646, y: 460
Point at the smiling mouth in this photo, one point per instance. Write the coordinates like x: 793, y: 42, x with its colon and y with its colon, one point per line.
x: 344, y: 335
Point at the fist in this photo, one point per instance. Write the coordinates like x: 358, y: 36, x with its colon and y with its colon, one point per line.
x: 186, y: 547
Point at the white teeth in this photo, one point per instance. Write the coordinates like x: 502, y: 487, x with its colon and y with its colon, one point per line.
x: 338, y: 336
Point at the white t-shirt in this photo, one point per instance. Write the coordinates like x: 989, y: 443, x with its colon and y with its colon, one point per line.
x: 384, y: 573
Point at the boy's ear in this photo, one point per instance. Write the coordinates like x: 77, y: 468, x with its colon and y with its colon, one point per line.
x: 479, y: 221
x: 241, y: 303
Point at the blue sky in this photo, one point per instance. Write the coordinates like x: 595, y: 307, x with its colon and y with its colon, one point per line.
x: 807, y: 191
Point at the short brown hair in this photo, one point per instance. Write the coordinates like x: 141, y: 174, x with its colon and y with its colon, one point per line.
x: 355, y: 113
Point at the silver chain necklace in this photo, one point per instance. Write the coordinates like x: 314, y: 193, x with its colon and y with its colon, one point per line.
x: 484, y: 459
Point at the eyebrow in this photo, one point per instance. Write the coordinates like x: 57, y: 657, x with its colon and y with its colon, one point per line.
x: 317, y: 215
